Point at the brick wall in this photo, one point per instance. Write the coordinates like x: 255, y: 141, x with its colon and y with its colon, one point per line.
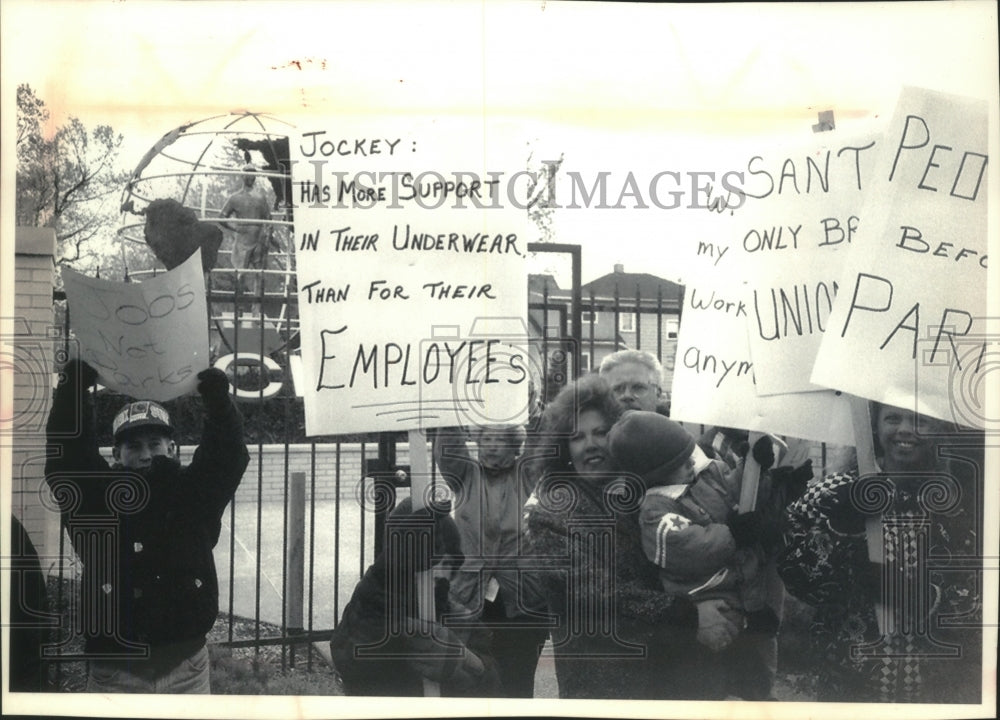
x: 269, y: 462
x: 30, y: 345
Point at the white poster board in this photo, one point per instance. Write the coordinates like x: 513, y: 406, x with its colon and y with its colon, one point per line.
x: 801, y: 215
x: 410, y: 242
x: 147, y: 340
x: 714, y: 376
x: 908, y: 327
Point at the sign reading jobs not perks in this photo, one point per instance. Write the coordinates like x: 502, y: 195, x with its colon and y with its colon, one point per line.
x: 147, y: 340
x: 908, y: 326
x: 410, y: 250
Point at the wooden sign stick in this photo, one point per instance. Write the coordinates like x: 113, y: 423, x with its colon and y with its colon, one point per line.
x: 865, y: 446
x: 751, y: 477
x: 419, y: 479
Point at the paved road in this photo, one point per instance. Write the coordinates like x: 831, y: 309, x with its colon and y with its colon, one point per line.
x: 334, y: 551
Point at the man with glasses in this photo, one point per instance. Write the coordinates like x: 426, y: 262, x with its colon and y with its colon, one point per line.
x: 634, y: 377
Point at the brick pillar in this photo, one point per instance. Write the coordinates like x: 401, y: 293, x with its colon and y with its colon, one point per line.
x: 29, y: 347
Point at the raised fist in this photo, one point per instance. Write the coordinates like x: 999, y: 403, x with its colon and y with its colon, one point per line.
x: 80, y: 371
x: 214, y: 388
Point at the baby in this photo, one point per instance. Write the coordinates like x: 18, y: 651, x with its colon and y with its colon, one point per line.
x: 702, y: 547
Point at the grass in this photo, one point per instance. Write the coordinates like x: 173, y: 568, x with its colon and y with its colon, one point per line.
x: 233, y: 674
x: 265, y: 670
x: 288, y: 670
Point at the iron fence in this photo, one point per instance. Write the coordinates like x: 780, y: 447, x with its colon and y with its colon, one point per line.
x: 308, y: 507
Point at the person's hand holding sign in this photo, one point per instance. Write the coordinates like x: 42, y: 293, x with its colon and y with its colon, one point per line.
x: 213, y: 385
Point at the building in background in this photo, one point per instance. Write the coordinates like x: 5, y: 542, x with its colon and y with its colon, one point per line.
x: 619, y: 310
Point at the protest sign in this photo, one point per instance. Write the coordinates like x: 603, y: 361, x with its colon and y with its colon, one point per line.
x: 715, y: 376
x: 800, y: 216
x: 147, y: 340
x: 908, y: 326
x: 410, y: 246
x: 713, y: 380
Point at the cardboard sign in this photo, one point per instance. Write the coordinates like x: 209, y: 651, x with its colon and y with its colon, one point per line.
x: 715, y: 376
x: 713, y: 380
x: 801, y: 215
x: 147, y: 340
x: 908, y: 326
x: 410, y: 244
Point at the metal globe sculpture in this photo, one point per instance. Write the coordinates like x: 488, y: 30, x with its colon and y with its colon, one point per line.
x: 222, y: 185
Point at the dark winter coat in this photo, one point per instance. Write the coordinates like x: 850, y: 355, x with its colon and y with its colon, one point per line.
x: 617, y: 634
x: 158, y: 529
x: 28, y: 614
x: 374, y: 643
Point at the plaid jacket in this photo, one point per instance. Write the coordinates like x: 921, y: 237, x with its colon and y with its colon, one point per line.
x: 929, y: 586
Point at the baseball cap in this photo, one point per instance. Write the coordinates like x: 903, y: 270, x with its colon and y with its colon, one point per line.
x: 143, y: 414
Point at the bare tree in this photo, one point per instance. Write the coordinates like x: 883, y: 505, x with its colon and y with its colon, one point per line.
x: 541, y: 196
x: 69, y: 182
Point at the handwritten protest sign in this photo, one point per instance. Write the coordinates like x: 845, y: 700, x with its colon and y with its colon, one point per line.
x: 715, y: 376
x: 713, y: 379
x: 148, y: 340
x: 801, y: 214
x: 908, y: 325
x: 410, y: 250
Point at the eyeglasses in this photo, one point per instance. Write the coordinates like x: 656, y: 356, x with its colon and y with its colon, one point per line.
x: 633, y: 388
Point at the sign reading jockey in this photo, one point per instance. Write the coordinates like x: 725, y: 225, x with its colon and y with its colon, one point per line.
x: 411, y: 276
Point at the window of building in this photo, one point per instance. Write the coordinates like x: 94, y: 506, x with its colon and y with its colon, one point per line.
x: 626, y: 322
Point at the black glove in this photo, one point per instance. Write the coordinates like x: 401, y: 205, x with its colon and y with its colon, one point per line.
x: 843, y: 516
x: 763, y: 453
x: 214, y: 388
x: 789, y: 484
x: 79, y: 371
x: 682, y: 613
x: 763, y: 621
x: 798, y: 479
x: 747, y: 529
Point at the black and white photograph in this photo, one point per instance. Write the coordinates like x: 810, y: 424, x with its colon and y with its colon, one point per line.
x: 522, y: 358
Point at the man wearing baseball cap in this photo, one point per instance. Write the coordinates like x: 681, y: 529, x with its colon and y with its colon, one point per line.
x: 144, y: 529
x: 142, y: 431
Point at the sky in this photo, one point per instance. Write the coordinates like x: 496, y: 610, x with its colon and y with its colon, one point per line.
x: 617, y: 87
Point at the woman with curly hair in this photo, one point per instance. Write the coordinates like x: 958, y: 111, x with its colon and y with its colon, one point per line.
x: 616, y: 634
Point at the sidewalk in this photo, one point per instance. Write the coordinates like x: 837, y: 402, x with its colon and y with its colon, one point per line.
x: 335, y: 571
x: 330, y: 564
